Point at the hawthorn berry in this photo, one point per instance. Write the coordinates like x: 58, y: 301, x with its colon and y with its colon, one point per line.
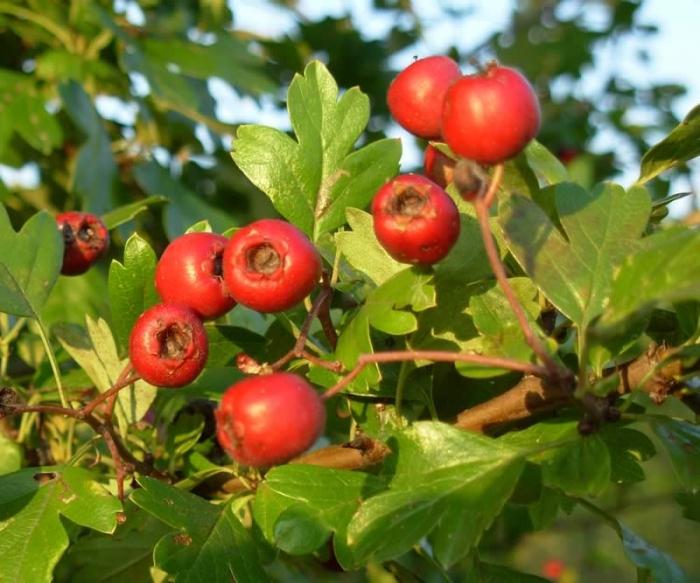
x: 168, y: 345
x: 270, y: 266
x: 85, y: 239
x: 269, y: 419
x: 416, y: 94
x: 437, y: 166
x: 491, y: 116
x: 415, y: 220
x: 190, y: 273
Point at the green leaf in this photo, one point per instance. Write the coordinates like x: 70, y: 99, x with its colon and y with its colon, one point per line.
x: 95, y: 171
x: 313, y: 179
x: 646, y: 557
x: 385, y: 310
x: 500, y: 333
x: 602, y: 228
x: 682, y: 442
x: 639, y: 283
x: 11, y: 455
x: 227, y: 58
x: 124, y: 214
x: 131, y: 288
x: 681, y: 145
x: 209, y: 544
x: 298, y: 507
x: 96, y: 353
x: 627, y: 447
x: 649, y: 560
x: 490, y: 573
x: 184, y: 204
x: 362, y: 250
x: 446, y: 482
x: 578, y: 465
x: 24, y: 112
x: 31, y: 264
x: 225, y: 342
x: 690, y: 504
x: 546, y: 165
x: 32, y: 502
x: 126, y: 555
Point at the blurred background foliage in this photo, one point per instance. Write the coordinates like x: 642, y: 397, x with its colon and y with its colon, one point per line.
x: 104, y: 104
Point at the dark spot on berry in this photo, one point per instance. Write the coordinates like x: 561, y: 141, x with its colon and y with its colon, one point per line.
x: 263, y: 259
x: 219, y: 264
x: 86, y: 232
x: 174, y: 341
x: 68, y: 234
x: 407, y: 202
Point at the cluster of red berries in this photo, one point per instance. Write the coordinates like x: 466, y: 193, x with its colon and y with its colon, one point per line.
x: 486, y: 118
x: 270, y: 265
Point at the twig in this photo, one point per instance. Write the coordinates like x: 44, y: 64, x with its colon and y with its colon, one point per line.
x: 436, y: 356
x: 297, y: 350
x: 126, y: 378
x: 324, y: 313
x: 482, y: 212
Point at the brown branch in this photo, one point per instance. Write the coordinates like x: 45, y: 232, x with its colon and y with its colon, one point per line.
x: 125, y: 379
x: 297, y: 350
x: 532, y: 396
x: 359, y: 454
x: 554, y: 370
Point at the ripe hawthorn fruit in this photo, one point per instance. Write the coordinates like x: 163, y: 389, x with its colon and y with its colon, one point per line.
x: 270, y: 266
x: 190, y: 273
x: 491, y: 116
x: 85, y: 239
x: 168, y: 345
x: 415, y: 220
x: 269, y: 419
x: 437, y: 166
x: 416, y: 94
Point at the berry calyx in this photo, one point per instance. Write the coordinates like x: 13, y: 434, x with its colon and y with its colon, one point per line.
x: 415, y: 220
x: 190, y: 273
x: 270, y: 266
x: 416, y: 94
x: 468, y: 179
x: 269, y: 419
x: 168, y: 345
x: 491, y: 116
x: 85, y: 240
x: 438, y: 167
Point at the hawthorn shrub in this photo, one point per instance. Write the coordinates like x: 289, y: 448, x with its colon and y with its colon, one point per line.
x: 524, y: 372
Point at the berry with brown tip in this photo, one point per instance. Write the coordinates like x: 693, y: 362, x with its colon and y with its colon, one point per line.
x: 85, y: 239
x: 415, y: 220
x: 269, y: 419
x: 270, y: 266
x: 190, y: 273
x: 168, y: 345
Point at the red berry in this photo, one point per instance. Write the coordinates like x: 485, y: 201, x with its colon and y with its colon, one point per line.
x: 438, y: 167
x: 415, y: 220
x: 415, y: 96
x: 190, y: 273
x: 567, y: 155
x: 270, y: 266
x: 490, y: 117
x: 168, y: 346
x: 85, y: 239
x: 269, y: 419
